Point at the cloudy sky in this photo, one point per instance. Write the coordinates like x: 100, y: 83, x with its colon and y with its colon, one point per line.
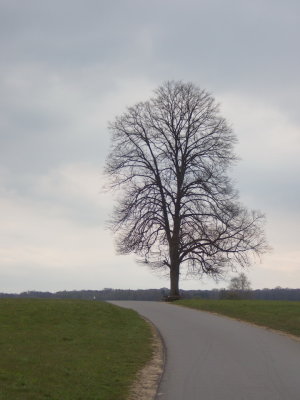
x: 68, y: 67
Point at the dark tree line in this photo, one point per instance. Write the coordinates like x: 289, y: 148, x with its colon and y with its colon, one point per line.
x: 157, y: 294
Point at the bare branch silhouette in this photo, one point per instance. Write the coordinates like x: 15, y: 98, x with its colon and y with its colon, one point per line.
x: 170, y: 157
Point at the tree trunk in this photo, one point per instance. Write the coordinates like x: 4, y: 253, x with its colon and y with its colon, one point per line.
x: 174, y: 281
x: 175, y: 263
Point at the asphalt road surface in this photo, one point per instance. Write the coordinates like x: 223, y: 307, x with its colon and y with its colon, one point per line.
x: 211, y: 357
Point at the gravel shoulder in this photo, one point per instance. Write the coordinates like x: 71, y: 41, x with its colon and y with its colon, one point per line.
x: 148, y: 379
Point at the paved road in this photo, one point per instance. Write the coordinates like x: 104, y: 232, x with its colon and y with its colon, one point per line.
x: 211, y: 357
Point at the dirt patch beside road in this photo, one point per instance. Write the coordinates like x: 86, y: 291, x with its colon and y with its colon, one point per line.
x: 147, y: 381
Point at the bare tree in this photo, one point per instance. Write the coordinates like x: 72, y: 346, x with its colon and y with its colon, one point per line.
x: 240, y: 282
x: 178, y: 209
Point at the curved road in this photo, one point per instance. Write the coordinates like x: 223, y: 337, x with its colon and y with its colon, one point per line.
x: 212, y: 357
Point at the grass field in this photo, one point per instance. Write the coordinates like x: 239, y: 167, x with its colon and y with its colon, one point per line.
x: 279, y: 315
x: 69, y: 350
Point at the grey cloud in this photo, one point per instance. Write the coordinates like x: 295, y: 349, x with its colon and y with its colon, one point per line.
x: 43, y: 125
x: 68, y: 34
x: 63, y: 64
x: 248, y: 46
x: 275, y: 190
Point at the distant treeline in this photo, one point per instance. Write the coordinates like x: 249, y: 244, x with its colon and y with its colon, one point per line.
x: 160, y: 294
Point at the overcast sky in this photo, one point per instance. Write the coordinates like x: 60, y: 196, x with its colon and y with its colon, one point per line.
x: 68, y: 67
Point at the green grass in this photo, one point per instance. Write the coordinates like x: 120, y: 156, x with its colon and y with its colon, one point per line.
x: 280, y: 315
x: 69, y: 350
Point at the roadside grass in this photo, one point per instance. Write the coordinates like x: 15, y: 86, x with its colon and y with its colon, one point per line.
x: 280, y: 315
x: 69, y: 349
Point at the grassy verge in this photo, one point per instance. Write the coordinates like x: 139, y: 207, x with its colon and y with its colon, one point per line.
x: 279, y: 315
x: 69, y: 350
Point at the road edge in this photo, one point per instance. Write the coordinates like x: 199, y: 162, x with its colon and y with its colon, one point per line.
x: 267, y: 328
x: 148, y: 379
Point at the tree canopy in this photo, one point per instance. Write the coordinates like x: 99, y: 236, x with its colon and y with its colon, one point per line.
x: 178, y: 208
x: 240, y: 282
